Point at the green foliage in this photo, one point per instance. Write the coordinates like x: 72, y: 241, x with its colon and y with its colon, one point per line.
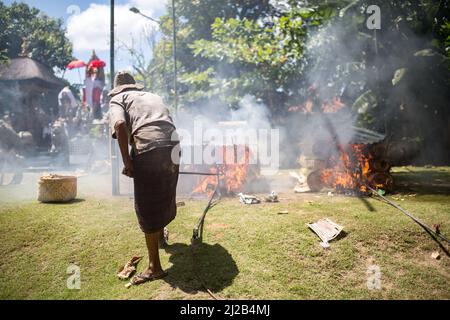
x: 364, y: 106
x: 227, y: 49
x: 261, y: 57
x: 445, y: 30
x: 27, y: 29
x: 4, y: 20
x: 3, y: 56
x: 367, y: 67
x: 194, y: 23
x: 254, y: 55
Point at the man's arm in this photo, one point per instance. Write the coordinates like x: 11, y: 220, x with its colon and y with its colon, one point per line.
x: 122, y: 139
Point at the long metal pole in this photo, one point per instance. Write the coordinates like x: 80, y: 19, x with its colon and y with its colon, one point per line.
x: 198, y: 173
x: 113, y: 146
x: 423, y: 225
x: 175, y: 69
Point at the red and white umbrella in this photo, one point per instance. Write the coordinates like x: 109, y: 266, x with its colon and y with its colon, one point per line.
x: 76, y: 64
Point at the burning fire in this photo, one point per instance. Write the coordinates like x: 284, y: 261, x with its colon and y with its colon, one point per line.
x: 233, y: 173
x: 332, y: 106
x: 328, y: 106
x: 349, y: 170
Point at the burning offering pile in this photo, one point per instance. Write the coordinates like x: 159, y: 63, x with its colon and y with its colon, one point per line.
x: 234, y: 172
x: 351, y: 169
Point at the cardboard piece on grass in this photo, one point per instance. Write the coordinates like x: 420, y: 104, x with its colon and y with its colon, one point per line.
x: 326, y: 229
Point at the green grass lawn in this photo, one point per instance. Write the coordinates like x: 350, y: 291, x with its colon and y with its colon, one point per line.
x: 248, y: 252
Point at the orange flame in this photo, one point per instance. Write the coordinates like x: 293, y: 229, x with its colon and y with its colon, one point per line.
x: 233, y: 172
x: 328, y: 106
x: 350, y: 169
x: 332, y: 106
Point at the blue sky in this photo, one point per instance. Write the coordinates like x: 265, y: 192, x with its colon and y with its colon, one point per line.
x: 56, y: 8
x: 87, y: 24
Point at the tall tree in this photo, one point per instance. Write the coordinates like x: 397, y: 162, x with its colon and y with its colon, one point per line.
x: 194, y: 20
x: 28, y: 29
x: 4, y: 21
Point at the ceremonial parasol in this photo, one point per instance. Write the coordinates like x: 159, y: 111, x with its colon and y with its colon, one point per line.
x: 97, y: 64
x: 76, y: 64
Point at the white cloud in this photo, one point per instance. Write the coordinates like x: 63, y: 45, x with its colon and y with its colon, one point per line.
x: 89, y: 30
x: 155, y: 6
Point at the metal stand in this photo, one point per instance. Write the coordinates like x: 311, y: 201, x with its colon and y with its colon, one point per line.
x: 197, y: 233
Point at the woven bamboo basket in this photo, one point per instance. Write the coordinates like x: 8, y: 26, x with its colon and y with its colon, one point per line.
x: 56, y: 188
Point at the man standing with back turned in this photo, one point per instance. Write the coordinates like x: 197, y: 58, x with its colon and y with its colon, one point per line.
x: 142, y: 120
